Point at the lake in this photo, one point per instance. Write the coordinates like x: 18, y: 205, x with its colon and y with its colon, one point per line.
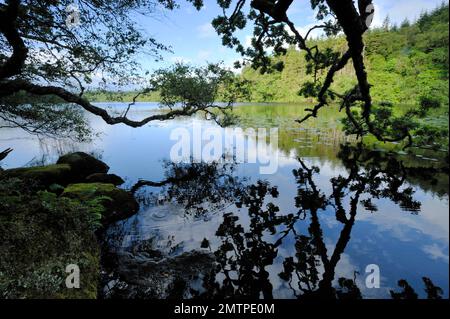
x: 330, y: 217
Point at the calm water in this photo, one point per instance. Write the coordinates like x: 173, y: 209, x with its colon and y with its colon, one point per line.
x: 327, y: 213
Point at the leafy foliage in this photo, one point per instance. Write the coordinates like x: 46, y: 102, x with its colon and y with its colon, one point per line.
x: 406, y: 66
x: 249, y: 246
x: 403, y: 66
x: 196, y: 89
x: 45, y: 118
x: 43, y: 53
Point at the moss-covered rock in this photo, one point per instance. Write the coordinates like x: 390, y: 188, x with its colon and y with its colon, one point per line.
x: 43, y: 175
x: 70, y: 168
x: 83, y: 165
x: 44, y: 226
x: 56, y: 189
x: 105, y: 178
x: 40, y: 235
x: 118, y: 203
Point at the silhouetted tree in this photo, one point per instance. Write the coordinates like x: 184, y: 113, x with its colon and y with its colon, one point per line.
x: 51, y: 48
x: 273, y: 30
x: 245, y: 253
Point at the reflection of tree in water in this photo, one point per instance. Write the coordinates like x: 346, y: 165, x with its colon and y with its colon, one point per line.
x: 370, y: 174
x: 408, y: 292
x: 244, y: 256
x: 193, y: 185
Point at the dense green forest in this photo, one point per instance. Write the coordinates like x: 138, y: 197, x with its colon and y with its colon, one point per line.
x: 404, y: 63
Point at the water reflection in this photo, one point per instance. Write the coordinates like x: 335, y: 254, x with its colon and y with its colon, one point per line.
x: 244, y: 253
x: 298, y: 220
x: 200, y: 187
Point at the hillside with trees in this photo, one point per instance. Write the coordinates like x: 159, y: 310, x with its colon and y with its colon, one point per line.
x: 404, y: 63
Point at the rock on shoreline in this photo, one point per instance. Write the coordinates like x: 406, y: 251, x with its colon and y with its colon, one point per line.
x: 50, y: 217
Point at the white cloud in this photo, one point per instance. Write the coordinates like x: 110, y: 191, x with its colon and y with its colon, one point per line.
x: 397, y: 11
x: 248, y: 41
x: 433, y: 221
x: 204, y: 55
x: 180, y: 59
x: 206, y: 31
x: 435, y: 252
x: 401, y: 9
x: 229, y: 64
x: 299, y: 7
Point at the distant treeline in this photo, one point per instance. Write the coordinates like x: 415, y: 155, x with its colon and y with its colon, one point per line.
x: 108, y: 96
x: 405, y: 62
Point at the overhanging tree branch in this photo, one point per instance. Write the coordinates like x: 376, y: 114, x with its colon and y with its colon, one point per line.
x: 14, y: 86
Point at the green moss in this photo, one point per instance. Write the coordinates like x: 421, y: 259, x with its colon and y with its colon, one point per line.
x: 50, y: 169
x: 117, y: 203
x: 41, y: 234
x: 47, y: 175
x: 86, y: 191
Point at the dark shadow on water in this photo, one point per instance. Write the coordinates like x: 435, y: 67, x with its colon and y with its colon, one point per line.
x: 240, y: 264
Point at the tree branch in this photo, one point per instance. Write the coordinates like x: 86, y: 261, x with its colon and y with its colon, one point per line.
x: 8, y: 16
x: 14, y: 86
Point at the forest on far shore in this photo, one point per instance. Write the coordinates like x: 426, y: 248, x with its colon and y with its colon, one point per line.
x: 405, y: 63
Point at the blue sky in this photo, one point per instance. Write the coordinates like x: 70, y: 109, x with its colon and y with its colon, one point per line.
x: 193, y: 39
